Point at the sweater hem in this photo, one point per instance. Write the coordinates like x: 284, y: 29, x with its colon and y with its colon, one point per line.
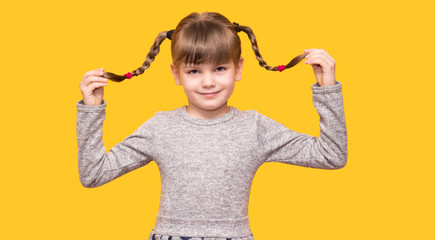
x: 90, y: 108
x: 210, y: 228
x: 316, y: 88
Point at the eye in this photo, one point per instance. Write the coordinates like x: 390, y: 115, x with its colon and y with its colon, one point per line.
x: 193, y: 71
x: 220, y: 69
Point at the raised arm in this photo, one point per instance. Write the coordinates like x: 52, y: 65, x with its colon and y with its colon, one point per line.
x: 96, y: 167
x: 329, y: 150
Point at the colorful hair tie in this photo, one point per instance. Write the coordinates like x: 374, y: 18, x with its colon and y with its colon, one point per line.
x: 236, y: 27
x: 128, y: 75
x: 280, y: 68
x: 169, y: 34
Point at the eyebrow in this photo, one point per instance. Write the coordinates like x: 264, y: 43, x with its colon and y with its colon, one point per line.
x: 196, y: 65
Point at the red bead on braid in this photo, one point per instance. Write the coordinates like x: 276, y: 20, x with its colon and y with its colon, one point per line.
x: 128, y: 75
x: 280, y: 68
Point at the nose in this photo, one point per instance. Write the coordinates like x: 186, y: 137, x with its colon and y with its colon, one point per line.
x: 208, y: 81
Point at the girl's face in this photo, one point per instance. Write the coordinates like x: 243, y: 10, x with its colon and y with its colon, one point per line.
x: 208, y: 86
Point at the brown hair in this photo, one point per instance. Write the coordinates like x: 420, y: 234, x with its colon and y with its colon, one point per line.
x: 207, y: 37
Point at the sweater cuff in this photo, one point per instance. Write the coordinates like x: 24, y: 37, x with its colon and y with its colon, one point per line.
x: 90, y: 108
x: 316, y: 88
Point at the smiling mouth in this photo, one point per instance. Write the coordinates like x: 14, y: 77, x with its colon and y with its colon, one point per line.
x: 209, y: 93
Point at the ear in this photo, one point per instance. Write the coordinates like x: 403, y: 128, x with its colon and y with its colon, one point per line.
x: 239, y: 68
x: 176, y: 74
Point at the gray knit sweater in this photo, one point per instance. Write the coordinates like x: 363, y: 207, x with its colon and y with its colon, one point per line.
x: 207, y: 166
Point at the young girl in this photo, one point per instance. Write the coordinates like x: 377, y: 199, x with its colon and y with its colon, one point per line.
x: 208, y: 152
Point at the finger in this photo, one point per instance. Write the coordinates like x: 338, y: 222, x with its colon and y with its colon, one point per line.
x: 321, y: 51
x: 97, y: 85
x: 88, y: 91
x: 324, y: 64
x: 95, y: 72
x: 326, y: 54
x: 329, y: 56
x: 96, y: 79
x: 92, y: 79
x: 311, y: 52
x: 88, y: 86
x: 321, y: 55
x: 308, y: 50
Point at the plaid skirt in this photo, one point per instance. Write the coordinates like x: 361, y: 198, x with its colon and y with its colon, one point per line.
x: 154, y: 236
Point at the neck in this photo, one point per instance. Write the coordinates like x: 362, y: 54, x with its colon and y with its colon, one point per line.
x: 207, y: 114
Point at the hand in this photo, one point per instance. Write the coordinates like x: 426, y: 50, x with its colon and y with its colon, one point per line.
x: 92, y: 85
x: 323, y: 66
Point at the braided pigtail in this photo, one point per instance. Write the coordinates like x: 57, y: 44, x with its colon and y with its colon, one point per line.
x: 155, y: 48
x: 260, y: 59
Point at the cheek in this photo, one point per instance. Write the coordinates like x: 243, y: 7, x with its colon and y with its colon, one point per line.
x: 189, y: 86
x: 229, y: 82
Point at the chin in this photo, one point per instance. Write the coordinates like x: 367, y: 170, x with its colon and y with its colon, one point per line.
x: 212, y: 107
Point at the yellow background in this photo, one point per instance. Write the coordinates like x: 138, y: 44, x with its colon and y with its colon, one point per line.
x: 385, y: 55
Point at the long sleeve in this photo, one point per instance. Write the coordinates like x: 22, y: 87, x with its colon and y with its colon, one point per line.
x: 96, y: 167
x: 328, y: 151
